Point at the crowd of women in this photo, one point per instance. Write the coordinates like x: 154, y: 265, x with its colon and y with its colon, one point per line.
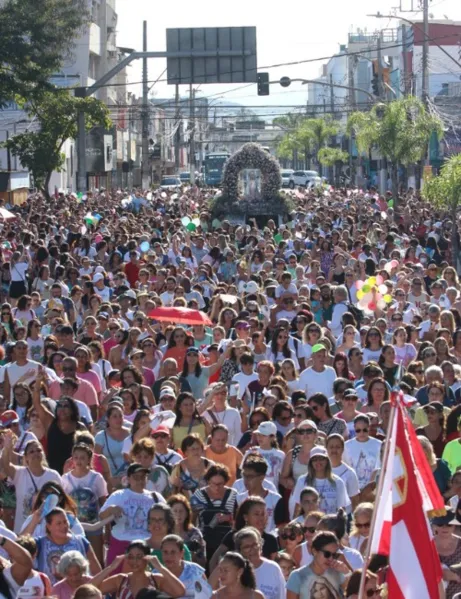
x: 236, y: 454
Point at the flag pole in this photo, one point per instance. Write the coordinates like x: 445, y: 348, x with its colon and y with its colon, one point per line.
x: 379, y: 494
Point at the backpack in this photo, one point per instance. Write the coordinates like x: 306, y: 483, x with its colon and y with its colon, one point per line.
x: 86, y: 500
x: 213, y: 531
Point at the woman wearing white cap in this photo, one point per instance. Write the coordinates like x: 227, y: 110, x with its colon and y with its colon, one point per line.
x: 266, y: 435
x: 330, y: 487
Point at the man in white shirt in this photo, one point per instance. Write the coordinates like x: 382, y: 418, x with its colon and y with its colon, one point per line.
x: 340, y: 298
x: 247, y: 374
x: 104, y: 292
x: 319, y: 378
x: 20, y: 369
x: 432, y: 324
x: 362, y: 453
x: 167, y: 296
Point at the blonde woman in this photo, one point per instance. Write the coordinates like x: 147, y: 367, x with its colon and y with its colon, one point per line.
x: 361, y: 523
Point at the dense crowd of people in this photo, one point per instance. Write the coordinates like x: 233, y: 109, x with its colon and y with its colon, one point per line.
x: 234, y: 451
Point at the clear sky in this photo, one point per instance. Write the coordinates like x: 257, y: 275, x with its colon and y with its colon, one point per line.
x: 291, y: 30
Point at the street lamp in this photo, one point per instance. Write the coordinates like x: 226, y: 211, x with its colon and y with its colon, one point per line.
x: 286, y: 82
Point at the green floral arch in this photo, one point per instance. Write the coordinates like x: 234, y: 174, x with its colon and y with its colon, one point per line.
x: 252, y: 156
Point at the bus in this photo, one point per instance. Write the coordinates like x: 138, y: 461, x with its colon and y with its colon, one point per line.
x: 214, y: 167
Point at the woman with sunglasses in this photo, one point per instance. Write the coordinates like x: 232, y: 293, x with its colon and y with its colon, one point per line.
x: 290, y: 536
x: 373, y: 345
x: 279, y: 349
x: 335, y: 449
x: 323, y: 417
x: 197, y: 375
x: 325, y: 575
x: 8, y: 320
x: 152, y: 358
x: 350, y: 401
x: 28, y: 478
x: 320, y: 475
x: 311, y: 335
x: 361, y: 523
x: 297, y: 459
x: 248, y: 438
x: 35, y: 524
x: 178, y: 344
x: 337, y: 523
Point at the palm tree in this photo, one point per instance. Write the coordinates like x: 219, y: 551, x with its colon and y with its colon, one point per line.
x: 399, y: 130
x: 320, y: 131
x: 444, y: 192
x: 289, y: 124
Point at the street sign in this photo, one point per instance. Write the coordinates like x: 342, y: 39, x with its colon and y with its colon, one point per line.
x: 231, y: 55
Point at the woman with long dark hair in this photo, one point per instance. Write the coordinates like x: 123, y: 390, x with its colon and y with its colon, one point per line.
x: 373, y: 345
x: 177, y: 345
x: 188, y: 420
x: 236, y: 578
x: 378, y: 392
x: 109, y: 442
x: 341, y: 366
x: 60, y: 427
x: 197, y: 375
x: 279, y: 348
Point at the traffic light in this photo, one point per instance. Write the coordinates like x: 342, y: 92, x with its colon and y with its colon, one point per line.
x: 263, y: 84
x: 375, y: 85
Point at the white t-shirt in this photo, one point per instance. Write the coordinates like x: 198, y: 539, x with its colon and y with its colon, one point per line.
x: 363, y: 458
x: 239, y: 486
x: 270, y: 580
x: 167, y: 298
x: 133, y: 524
x: 271, y: 500
x: 312, y: 382
x: 40, y: 529
x: 18, y: 272
x: 243, y: 381
x: 36, y: 348
x: 349, y: 477
x: 26, y: 373
x: 27, y: 486
x: 333, y: 494
x: 279, y: 358
x: 371, y: 355
x: 9, y: 534
x: 274, y: 458
x: 77, y: 488
x: 14, y: 586
x: 232, y: 419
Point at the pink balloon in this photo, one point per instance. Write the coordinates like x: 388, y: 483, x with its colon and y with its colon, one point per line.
x: 379, y: 280
x: 372, y: 306
x: 394, y: 263
x: 359, y: 284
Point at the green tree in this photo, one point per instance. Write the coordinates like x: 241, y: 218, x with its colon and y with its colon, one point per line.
x: 56, y: 113
x: 333, y: 157
x: 320, y: 131
x: 36, y: 36
x: 399, y: 130
x: 444, y: 192
x: 288, y: 146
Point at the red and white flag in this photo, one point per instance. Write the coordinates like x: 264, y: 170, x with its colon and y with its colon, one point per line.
x: 402, y: 529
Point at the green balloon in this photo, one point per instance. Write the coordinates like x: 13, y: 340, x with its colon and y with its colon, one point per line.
x: 390, y: 203
x: 191, y: 227
x: 366, y: 288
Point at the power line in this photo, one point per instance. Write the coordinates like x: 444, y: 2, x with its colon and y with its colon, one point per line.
x: 274, y: 66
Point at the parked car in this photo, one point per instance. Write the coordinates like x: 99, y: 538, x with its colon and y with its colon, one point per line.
x: 170, y: 183
x: 302, y: 178
x: 286, y: 174
x: 315, y: 182
x: 185, y: 177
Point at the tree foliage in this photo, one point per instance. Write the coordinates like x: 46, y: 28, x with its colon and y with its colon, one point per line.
x: 444, y: 193
x: 304, y: 136
x: 56, y: 115
x: 330, y: 156
x: 399, y: 130
x: 36, y: 36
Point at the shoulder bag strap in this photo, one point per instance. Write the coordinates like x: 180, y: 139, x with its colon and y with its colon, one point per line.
x: 225, y: 498
x: 111, y: 457
x: 213, y: 416
x: 32, y: 479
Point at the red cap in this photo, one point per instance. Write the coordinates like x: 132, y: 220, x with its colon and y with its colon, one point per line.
x: 8, y: 418
x: 162, y: 428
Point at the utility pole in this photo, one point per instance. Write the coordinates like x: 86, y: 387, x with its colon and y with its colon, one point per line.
x: 332, y: 97
x: 425, y: 65
x: 145, y: 178
x: 355, y: 173
x: 192, y: 134
x: 177, y: 135
x: 382, y: 161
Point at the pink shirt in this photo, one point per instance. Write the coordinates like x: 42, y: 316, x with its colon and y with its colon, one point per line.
x: 92, y: 378
x: 63, y: 590
x: 85, y: 392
